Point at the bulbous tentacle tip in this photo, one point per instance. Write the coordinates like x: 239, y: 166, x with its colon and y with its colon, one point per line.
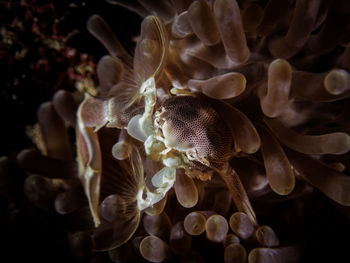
x: 194, y: 223
x: 185, y: 189
x: 154, y: 249
x: 221, y: 87
x: 121, y: 150
x: 235, y: 253
x: 216, y: 228
x: 242, y: 226
x: 337, y: 81
x: 276, y: 161
x: 264, y: 255
x: 266, y: 237
x: 279, y: 80
x: 98, y: 27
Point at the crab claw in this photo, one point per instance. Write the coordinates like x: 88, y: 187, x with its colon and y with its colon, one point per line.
x: 89, y: 163
x: 141, y: 126
x: 163, y: 180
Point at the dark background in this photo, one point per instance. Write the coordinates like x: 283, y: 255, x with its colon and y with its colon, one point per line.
x: 26, y: 233
x: 22, y: 87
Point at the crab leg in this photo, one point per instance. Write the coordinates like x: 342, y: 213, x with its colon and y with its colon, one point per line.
x: 239, y: 195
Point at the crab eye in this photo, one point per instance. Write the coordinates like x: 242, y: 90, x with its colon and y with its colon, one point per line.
x: 191, y: 123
